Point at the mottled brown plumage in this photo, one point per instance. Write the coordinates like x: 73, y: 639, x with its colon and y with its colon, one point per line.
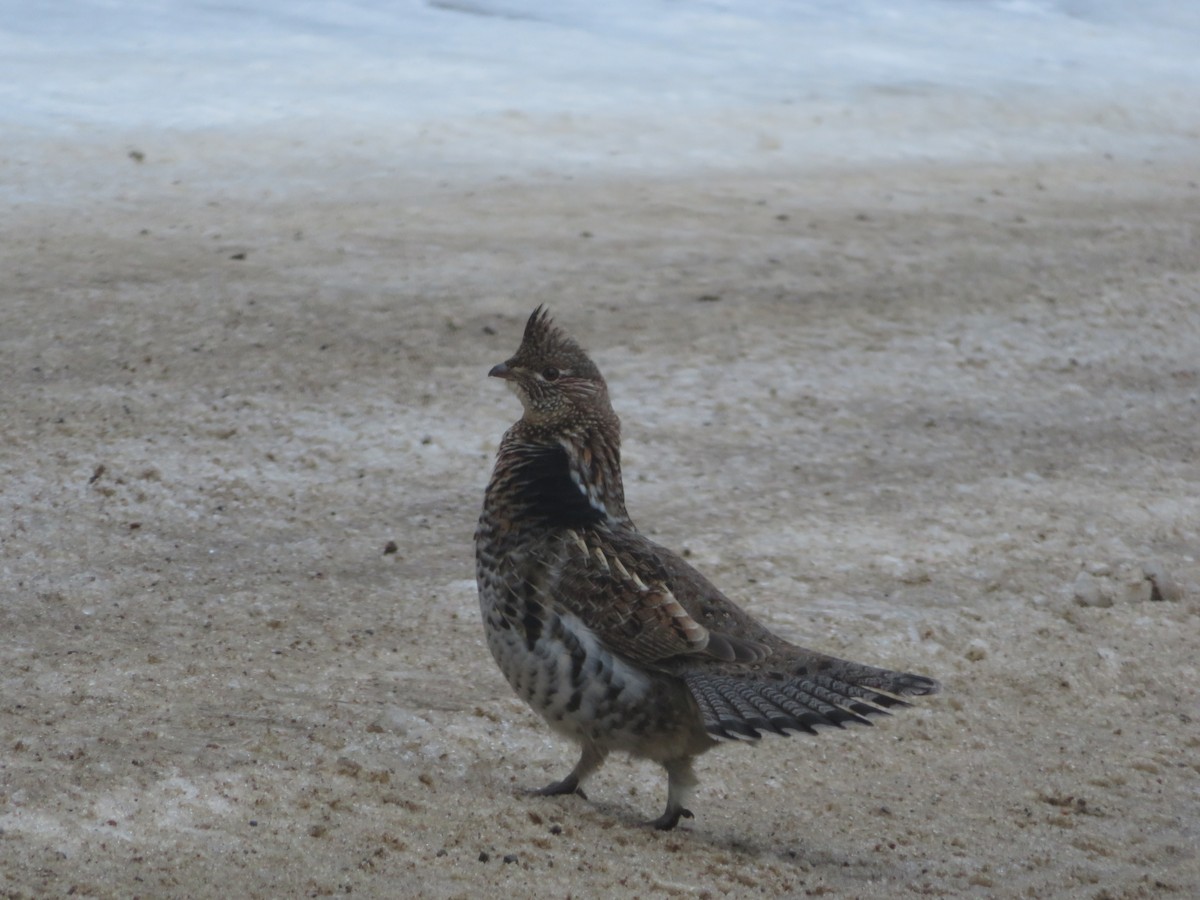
x: 617, y: 642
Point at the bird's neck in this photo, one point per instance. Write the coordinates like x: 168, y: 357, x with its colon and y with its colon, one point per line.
x: 564, y: 477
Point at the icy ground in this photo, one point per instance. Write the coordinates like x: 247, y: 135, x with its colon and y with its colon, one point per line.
x: 899, y: 303
x: 533, y: 86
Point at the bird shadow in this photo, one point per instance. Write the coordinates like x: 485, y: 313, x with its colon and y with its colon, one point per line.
x: 589, y: 816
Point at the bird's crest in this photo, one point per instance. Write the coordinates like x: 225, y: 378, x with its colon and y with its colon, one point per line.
x: 540, y: 327
x: 544, y: 339
x: 544, y: 343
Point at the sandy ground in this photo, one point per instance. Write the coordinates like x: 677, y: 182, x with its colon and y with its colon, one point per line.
x: 934, y: 417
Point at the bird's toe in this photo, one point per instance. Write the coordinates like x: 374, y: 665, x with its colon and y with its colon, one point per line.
x: 670, y: 819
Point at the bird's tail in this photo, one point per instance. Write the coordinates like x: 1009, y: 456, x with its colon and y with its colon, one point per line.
x: 830, y: 692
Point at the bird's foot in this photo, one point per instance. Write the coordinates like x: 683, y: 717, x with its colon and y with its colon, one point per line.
x: 670, y: 819
x: 569, y: 785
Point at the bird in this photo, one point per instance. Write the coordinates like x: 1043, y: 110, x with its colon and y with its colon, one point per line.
x: 617, y: 642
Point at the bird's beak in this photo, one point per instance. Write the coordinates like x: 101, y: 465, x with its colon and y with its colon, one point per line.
x: 499, y: 371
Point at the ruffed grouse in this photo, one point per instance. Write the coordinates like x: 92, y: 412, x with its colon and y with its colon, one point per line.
x: 617, y: 642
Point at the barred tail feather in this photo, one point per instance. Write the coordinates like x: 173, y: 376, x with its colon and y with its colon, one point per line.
x: 744, y: 707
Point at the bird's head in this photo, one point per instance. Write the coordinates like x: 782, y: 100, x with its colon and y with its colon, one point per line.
x: 557, y: 384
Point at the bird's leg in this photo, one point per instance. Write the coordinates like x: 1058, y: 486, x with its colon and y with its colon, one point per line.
x: 589, y: 762
x: 680, y: 780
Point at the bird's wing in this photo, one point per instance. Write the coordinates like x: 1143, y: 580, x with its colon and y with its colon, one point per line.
x: 653, y: 608
x: 620, y: 585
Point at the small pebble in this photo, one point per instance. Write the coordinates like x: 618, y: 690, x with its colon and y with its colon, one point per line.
x: 977, y: 650
x: 1087, y: 591
x: 1162, y: 586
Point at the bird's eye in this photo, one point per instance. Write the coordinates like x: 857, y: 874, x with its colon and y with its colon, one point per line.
x: 550, y: 373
